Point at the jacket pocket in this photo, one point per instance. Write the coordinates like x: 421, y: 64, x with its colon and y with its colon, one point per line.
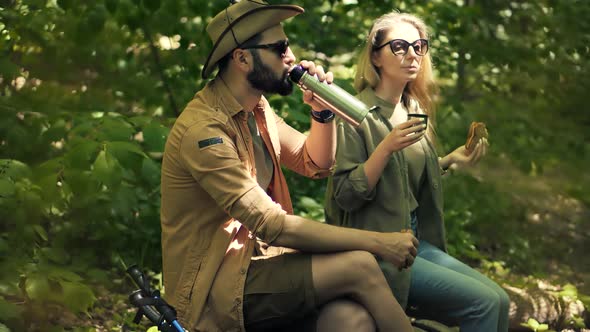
x: 186, y: 284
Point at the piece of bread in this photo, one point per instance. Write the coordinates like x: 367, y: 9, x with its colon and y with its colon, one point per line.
x: 477, y: 131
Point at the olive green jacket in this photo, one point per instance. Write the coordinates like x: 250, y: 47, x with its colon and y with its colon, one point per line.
x: 387, y: 207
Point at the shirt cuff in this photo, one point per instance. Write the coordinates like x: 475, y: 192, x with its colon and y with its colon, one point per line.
x: 260, y: 214
x: 360, y: 183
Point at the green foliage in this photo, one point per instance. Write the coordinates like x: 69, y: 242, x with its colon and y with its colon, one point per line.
x: 89, y: 90
x: 536, y: 326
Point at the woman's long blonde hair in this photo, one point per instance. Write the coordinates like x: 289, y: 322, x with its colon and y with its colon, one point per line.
x: 422, y: 90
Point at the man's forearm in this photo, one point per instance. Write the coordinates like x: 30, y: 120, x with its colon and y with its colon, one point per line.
x: 311, y: 236
x: 321, y: 143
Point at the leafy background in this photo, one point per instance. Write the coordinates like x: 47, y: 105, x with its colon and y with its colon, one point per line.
x: 89, y: 90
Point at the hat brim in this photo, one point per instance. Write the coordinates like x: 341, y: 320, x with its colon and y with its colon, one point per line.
x: 246, y: 26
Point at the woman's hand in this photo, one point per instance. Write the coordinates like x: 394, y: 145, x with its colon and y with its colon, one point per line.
x: 461, y: 158
x: 322, y: 76
x: 403, y: 135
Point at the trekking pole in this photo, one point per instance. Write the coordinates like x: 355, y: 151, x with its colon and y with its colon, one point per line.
x: 151, y: 305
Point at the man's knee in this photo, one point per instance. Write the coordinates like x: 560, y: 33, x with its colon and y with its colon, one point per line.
x: 345, y: 315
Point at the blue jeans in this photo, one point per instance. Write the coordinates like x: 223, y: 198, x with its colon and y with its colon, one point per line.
x: 447, y: 290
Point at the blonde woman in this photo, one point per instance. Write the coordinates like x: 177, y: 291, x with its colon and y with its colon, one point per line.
x: 388, y: 178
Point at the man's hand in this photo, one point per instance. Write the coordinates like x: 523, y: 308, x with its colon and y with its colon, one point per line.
x: 400, y: 249
x: 322, y: 76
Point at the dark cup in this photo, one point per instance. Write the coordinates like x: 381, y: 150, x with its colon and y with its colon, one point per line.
x: 424, y: 117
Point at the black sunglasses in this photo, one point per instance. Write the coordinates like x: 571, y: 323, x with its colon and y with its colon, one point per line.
x: 280, y: 47
x: 401, y: 47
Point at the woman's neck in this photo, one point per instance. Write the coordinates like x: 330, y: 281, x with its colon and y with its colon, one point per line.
x: 390, y: 91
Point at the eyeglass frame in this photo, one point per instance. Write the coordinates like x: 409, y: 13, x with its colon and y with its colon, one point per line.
x: 273, y: 47
x: 390, y: 43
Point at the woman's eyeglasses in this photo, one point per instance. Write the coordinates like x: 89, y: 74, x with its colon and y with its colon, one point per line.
x: 400, y: 46
x: 280, y: 47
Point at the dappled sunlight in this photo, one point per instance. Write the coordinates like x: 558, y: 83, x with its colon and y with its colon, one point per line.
x: 544, y: 303
x: 237, y: 243
x: 169, y: 43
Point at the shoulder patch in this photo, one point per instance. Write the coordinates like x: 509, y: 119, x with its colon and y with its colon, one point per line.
x: 210, y: 141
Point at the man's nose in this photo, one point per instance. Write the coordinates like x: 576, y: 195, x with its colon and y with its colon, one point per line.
x: 289, y: 57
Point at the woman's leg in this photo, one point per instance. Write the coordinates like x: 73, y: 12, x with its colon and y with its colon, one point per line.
x: 466, y: 294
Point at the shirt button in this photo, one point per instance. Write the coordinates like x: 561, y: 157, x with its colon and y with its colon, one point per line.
x: 242, y: 271
x: 238, y: 300
x: 435, y: 186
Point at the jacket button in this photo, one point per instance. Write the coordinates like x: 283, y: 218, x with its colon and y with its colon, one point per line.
x: 242, y: 271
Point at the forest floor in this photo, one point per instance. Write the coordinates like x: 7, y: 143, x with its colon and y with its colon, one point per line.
x: 558, y: 222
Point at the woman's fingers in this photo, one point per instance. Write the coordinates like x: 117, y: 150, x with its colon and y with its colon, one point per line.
x: 413, y: 138
x: 410, y: 123
x: 413, y: 129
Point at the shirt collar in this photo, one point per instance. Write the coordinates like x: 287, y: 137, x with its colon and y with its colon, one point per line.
x: 226, y: 99
x: 384, y: 107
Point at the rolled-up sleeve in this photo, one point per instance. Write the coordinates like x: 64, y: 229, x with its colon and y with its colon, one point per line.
x: 294, y: 154
x: 351, y: 186
x: 209, y: 152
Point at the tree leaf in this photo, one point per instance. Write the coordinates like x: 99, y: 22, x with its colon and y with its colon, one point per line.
x: 150, y: 171
x: 37, y: 288
x: 125, y: 147
x: 3, y: 328
x: 14, y: 169
x: 41, y: 232
x: 115, y: 129
x: 128, y: 154
x: 77, y: 297
x: 60, y: 274
x: 81, y: 155
x: 154, y: 137
x: 56, y: 255
x: 106, y: 169
x: 7, y: 187
x: 8, y: 311
x: 7, y: 68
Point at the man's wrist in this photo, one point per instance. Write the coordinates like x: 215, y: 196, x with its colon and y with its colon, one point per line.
x: 323, y: 116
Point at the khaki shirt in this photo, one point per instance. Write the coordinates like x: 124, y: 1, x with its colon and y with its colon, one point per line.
x: 387, y: 207
x: 213, y: 209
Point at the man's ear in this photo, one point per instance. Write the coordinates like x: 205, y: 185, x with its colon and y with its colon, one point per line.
x: 241, y: 58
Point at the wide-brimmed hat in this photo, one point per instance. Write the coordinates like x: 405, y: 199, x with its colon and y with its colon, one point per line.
x: 240, y: 22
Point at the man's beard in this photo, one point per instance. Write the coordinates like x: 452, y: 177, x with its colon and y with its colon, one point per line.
x: 264, y: 79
